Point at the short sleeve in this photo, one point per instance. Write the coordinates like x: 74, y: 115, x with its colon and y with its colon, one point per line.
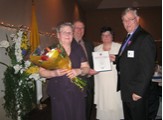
x: 77, y: 55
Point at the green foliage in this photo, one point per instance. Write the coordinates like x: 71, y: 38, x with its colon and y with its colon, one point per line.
x: 19, y: 94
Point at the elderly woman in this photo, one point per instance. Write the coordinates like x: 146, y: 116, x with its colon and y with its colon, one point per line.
x: 67, y: 100
x: 107, y: 100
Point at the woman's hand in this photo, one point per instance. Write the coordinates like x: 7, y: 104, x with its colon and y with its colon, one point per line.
x: 73, y: 73
x: 112, y: 57
x: 59, y: 72
x: 52, y: 73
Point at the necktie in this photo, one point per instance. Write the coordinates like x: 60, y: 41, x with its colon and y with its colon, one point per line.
x: 128, y: 35
x: 125, y: 43
x: 83, y: 46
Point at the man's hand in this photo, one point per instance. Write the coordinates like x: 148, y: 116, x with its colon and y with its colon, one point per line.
x: 136, y: 97
x: 92, y: 72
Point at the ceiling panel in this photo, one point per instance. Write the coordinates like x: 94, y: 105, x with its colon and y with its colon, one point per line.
x: 128, y: 3
x: 89, y: 5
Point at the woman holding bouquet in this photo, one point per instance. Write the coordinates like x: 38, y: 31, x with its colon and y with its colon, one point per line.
x: 67, y: 99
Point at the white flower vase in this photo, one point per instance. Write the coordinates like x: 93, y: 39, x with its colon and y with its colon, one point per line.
x: 40, y: 106
x: 38, y: 91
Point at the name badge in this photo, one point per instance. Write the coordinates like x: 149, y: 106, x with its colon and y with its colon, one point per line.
x: 130, y: 54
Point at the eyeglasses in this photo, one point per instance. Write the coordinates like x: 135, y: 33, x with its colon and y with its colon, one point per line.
x: 66, y: 33
x: 129, y: 20
x: 108, y: 35
x: 78, y: 27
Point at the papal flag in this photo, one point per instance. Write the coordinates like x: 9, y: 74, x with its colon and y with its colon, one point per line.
x: 34, y: 35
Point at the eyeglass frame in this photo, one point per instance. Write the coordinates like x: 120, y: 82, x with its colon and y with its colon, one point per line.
x: 129, y: 20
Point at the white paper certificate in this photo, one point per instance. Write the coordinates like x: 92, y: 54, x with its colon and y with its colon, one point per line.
x: 101, y: 61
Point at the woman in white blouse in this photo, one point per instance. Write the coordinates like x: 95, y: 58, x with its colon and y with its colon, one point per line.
x: 107, y: 99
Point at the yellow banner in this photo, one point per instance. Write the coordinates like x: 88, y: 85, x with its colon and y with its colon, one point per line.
x: 34, y: 35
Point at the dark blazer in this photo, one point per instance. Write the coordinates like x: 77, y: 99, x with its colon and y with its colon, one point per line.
x: 136, y: 65
x: 89, y: 48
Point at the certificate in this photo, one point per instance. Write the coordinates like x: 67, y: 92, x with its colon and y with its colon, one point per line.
x: 101, y: 61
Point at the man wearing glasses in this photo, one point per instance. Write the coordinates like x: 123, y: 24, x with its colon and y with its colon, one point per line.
x: 79, y: 31
x: 135, y: 64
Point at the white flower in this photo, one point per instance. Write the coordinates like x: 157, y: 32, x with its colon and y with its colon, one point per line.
x: 35, y: 76
x: 18, y: 54
x: 20, y: 33
x: 17, y: 68
x: 18, y: 57
x: 27, y: 63
x: 22, y: 70
x: 4, y: 44
x: 43, y: 79
x: 20, y: 82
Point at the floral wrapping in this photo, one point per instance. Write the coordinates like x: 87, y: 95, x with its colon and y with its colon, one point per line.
x: 55, y: 57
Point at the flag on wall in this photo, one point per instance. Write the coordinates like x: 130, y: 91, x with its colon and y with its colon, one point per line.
x: 34, y: 35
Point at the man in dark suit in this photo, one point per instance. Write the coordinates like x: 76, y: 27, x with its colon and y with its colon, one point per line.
x: 135, y: 64
x: 79, y: 29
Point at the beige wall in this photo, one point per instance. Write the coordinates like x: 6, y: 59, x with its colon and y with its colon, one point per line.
x: 151, y: 20
x: 49, y: 12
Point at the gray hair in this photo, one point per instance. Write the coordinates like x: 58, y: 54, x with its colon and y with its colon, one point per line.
x: 64, y: 24
x: 129, y: 10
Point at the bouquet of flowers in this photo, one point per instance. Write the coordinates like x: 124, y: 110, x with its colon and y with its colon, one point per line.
x: 55, y: 57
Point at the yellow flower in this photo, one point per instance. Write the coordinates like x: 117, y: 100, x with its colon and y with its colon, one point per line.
x: 32, y: 70
x: 24, y: 46
x: 53, y: 53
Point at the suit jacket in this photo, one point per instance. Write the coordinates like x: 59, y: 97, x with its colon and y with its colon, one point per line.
x: 90, y: 82
x: 136, y: 65
x: 89, y: 48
